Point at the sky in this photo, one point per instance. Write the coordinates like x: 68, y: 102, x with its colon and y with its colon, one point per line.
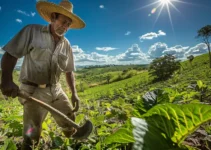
x: 120, y: 31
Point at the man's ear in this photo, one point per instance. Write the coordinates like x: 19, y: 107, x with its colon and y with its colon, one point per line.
x: 53, y: 17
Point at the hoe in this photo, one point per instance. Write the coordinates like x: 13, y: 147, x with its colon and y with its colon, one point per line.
x: 82, y: 131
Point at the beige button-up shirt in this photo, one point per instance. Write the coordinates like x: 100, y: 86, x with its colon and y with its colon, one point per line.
x: 43, y: 61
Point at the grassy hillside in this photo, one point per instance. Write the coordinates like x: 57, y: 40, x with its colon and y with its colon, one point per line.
x: 110, y: 105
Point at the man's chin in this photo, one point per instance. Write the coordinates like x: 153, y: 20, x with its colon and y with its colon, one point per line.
x: 60, y: 34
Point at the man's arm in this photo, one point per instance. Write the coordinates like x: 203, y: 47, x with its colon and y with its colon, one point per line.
x: 8, y: 87
x: 71, y: 83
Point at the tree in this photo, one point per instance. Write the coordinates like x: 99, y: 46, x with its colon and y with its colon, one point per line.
x: 205, y: 34
x: 162, y: 68
x: 190, y: 58
x: 108, y: 78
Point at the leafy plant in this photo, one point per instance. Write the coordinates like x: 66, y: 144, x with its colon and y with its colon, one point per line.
x: 174, y: 122
x: 162, y: 68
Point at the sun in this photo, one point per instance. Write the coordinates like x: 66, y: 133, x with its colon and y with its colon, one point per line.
x: 160, y: 5
x: 165, y: 2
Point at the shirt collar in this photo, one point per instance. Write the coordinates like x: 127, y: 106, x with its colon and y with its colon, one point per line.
x: 46, y: 28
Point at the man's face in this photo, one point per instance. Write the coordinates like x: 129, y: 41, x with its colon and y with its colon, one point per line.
x: 61, y: 25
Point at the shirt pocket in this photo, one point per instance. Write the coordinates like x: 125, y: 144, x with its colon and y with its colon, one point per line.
x: 39, y: 53
x: 62, y: 61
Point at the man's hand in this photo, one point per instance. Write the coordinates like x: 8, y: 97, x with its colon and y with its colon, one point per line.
x: 9, y: 89
x: 75, y: 102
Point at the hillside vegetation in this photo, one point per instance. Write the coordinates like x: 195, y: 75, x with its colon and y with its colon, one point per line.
x: 128, y: 110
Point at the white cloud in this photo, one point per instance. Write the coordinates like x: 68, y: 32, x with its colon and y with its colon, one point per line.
x: 25, y: 13
x: 178, y: 51
x: 101, y: 6
x: 76, y: 49
x: 133, y: 54
x: 161, y: 33
x: 152, y: 35
x: 33, y: 14
x: 105, y: 48
x: 92, y: 58
x: 197, y: 50
x: 156, y: 50
x: 19, y: 20
x: 81, y: 57
x: 128, y: 33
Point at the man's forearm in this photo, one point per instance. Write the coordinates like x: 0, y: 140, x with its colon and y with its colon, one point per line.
x: 71, y: 82
x: 8, y: 63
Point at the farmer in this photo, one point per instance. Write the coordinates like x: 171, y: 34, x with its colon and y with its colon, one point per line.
x: 47, y: 53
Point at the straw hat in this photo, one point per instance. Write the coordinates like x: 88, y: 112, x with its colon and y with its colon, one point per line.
x: 45, y: 9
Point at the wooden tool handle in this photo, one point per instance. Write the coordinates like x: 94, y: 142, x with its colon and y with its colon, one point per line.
x: 48, y: 107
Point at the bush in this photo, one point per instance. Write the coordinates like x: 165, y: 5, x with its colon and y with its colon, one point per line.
x: 162, y: 68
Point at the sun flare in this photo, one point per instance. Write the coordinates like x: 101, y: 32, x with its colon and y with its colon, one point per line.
x: 165, y: 1
x: 160, y: 5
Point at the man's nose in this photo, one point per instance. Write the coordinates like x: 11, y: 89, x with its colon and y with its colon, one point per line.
x: 65, y: 26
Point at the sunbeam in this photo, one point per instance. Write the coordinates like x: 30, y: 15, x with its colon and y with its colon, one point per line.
x: 161, y: 5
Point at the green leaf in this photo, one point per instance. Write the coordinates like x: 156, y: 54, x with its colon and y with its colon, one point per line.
x: 200, y: 84
x: 176, y: 122
x: 120, y: 136
x: 154, y: 97
x: 79, y: 118
x: 98, y: 146
x: 149, y: 137
x: 44, y: 126
x: 58, y: 141
x: 9, y: 145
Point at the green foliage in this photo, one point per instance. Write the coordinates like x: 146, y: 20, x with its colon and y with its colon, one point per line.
x: 9, y: 145
x: 205, y: 34
x: 121, y: 136
x: 178, y: 121
x: 155, y: 97
x: 166, y: 126
x: 149, y: 137
x: 111, y: 106
x: 162, y: 68
x: 97, y: 75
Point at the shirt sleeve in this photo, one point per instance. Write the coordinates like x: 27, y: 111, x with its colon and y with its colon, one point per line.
x: 19, y: 46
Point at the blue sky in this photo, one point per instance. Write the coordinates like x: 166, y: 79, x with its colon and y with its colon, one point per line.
x: 120, y: 31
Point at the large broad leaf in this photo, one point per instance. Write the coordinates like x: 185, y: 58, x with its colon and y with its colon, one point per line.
x: 176, y: 122
x: 121, y: 136
x: 165, y: 127
x: 154, y: 97
x: 149, y: 137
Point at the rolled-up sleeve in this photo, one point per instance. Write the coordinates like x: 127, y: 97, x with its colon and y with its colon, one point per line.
x: 19, y: 46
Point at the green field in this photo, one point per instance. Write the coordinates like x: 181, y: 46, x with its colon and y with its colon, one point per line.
x: 171, y: 114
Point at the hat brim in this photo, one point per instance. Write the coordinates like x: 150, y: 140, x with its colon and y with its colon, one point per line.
x: 45, y: 9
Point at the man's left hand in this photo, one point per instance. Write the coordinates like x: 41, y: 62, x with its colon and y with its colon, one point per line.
x: 75, y: 102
